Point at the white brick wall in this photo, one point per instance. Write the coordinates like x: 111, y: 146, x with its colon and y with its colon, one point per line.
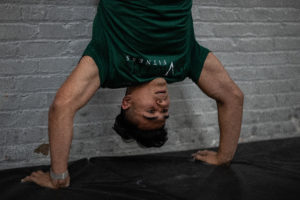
x: 42, y: 40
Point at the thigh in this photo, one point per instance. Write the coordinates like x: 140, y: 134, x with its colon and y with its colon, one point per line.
x: 81, y: 85
x: 214, y: 80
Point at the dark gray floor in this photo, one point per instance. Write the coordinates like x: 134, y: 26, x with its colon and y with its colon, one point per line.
x: 260, y: 170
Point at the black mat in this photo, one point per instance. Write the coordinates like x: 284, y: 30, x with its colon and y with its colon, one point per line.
x: 266, y: 170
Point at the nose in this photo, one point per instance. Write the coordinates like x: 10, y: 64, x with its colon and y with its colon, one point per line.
x: 162, y: 102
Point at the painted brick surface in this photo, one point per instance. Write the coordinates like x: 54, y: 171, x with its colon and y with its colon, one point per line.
x: 41, y: 42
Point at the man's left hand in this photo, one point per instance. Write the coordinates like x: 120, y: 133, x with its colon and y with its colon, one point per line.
x: 43, y: 179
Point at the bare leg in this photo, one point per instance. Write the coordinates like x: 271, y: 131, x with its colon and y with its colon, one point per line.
x: 216, y: 83
x: 76, y: 91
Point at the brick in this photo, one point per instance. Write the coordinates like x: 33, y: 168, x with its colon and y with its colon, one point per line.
x: 218, y: 44
x: 237, y: 14
x: 18, y: 67
x: 194, y: 106
x: 92, y: 130
x: 12, y: 153
x: 23, y: 119
x: 42, y: 48
x: 268, y: 130
x: 18, y: 31
x: 180, y: 121
x: 107, y: 96
x: 10, y: 12
x: 269, y: 87
x: 289, y: 99
x: 76, y: 47
x: 19, y: 154
x: 287, y: 43
x: 14, y: 136
x: 3, y: 137
x: 39, y: 83
x: 216, y: 29
x: 43, y: 66
x: 94, y: 147
x: 238, y: 44
x: 264, y: 73
x: 62, y: 31
x: 73, y: 13
x: 8, y: 50
x: 27, y: 163
x: 188, y: 91
x: 254, y: 44
x: 101, y: 98
x: 7, y: 84
x: 53, y: 13
x: 31, y: 49
x: 269, y: 115
x: 53, y: 2
x: 97, y: 113
x: 7, y: 119
x: 251, y: 4
x: 23, y: 101
x: 255, y: 59
x: 203, y: 30
x: 271, y: 101
x: 294, y: 57
x: 270, y: 3
x: 50, y: 97
x: 199, y: 137
x: 57, y: 65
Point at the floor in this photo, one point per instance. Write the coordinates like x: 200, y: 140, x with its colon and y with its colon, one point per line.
x: 267, y: 170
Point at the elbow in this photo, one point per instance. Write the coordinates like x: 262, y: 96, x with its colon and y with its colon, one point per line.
x: 234, y: 96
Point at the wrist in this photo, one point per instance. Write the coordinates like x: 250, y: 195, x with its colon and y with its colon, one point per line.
x: 59, y: 176
x: 224, y: 158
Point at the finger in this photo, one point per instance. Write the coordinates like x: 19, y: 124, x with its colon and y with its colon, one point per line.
x: 200, y: 157
x: 197, y: 155
x: 33, y: 179
x: 34, y: 174
x: 202, y: 152
x: 41, y: 182
x: 40, y: 172
x: 26, y: 179
x: 64, y: 185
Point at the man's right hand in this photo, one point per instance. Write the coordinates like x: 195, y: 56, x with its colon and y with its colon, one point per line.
x: 43, y: 179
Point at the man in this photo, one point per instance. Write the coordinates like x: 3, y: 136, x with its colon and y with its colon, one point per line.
x: 141, y: 45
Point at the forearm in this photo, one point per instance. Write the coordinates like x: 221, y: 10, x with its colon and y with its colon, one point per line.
x: 60, y: 137
x: 230, y: 120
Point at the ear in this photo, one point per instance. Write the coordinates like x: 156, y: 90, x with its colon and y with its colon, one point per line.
x: 126, y: 102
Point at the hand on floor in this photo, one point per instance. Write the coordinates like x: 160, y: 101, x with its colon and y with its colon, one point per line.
x: 43, y: 179
x: 209, y: 157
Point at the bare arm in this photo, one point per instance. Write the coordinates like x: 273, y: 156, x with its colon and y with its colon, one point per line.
x: 76, y: 91
x: 216, y: 83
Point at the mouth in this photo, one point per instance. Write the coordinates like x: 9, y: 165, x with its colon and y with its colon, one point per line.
x: 161, y: 92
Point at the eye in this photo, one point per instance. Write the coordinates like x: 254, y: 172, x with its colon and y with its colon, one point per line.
x: 151, y: 111
x: 165, y: 110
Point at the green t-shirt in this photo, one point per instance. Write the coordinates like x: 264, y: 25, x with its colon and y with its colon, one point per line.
x: 136, y: 41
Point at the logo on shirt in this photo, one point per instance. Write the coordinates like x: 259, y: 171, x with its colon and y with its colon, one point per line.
x: 163, y: 63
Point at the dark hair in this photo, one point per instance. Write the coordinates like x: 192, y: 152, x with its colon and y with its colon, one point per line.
x: 146, y: 138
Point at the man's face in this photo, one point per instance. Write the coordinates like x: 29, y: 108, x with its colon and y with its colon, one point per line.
x: 147, y: 105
